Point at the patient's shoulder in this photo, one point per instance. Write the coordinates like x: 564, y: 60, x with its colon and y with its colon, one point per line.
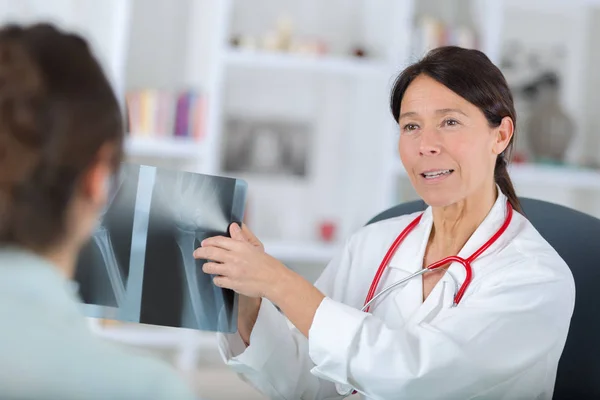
x: 74, y: 364
x: 137, y: 372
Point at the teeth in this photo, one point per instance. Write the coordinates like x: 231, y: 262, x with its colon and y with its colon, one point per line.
x: 436, y: 174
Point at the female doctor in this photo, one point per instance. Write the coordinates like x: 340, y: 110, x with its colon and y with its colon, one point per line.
x: 488, y: 323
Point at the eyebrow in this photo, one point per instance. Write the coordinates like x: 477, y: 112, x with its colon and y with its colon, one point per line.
x: 441, y: 111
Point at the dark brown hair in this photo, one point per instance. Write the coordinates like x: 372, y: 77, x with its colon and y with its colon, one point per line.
x: 57, y: 110
x: 471, y: 75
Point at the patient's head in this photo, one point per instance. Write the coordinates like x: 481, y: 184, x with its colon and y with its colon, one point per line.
x: 61, y: 133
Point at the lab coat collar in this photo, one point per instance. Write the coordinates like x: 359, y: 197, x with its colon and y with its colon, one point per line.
x: 410, y: 255
x: 410, y: 261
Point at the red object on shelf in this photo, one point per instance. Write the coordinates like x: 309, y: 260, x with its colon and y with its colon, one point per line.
x: 327, y: 231
x: 519, y: 158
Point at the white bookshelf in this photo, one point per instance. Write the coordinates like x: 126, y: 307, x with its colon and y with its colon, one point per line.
x: 142, y: 335
x: 154, y: 337
x: 308, y: 63
x: 188, y: 344
x: 167, y: 147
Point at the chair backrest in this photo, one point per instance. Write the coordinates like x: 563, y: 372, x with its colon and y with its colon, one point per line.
x: 576, y: 237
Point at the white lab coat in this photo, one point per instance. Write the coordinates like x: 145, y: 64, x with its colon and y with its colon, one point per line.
x: 503, y: 341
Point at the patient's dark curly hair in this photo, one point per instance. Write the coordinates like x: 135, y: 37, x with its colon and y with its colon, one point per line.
x: 57, y: 110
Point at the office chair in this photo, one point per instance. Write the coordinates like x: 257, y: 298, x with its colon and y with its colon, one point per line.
x: 576, y: 237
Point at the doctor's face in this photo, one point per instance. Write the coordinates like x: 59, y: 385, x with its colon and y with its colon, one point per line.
x: 446, y: 144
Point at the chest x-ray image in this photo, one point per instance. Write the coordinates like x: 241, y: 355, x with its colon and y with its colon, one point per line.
x: 139, y: 264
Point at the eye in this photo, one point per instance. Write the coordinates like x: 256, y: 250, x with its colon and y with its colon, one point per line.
x: 450, y: 122
x: 410, y: 128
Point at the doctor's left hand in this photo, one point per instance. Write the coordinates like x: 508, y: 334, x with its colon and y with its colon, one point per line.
x: 240, y: 266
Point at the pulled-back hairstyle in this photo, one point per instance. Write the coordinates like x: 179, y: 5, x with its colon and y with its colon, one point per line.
x: 471, y: 75
x: 57, y: 110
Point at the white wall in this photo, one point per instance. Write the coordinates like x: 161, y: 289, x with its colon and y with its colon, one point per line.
x: 100, y: 22
x: 158, y: 44
x: 592, y: 93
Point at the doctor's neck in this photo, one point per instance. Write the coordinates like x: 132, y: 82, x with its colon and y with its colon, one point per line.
x: 453, y: 225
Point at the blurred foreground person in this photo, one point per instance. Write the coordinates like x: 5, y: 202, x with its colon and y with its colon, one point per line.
x: 61, y: 134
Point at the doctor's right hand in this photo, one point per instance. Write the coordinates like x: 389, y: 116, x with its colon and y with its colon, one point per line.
x: 245, y: 235
x: 248, y: 306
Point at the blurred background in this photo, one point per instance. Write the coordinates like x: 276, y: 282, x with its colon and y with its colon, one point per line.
x: 292, y: 96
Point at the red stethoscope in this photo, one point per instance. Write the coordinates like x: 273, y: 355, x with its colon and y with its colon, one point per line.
x: 439, y: 264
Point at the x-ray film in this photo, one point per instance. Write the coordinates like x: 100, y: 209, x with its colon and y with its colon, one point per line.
x: 139, y: 264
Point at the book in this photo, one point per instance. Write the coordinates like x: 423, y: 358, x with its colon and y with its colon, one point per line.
x: 154, y: 113
x: 139, y: 265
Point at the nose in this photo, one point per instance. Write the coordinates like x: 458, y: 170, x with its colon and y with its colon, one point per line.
x: 430, y: 144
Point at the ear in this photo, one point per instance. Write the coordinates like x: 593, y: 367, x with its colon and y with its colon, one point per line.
x: 503, y: 134
x: 96, y: 180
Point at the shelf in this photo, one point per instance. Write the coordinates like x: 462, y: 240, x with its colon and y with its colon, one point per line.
x: 557, y: 176
x: 167, y: 147
x: 146, y: 337
x: 309, y: 63
x: 154, y: 336
x: 564, y: 177
x: 301, y: 252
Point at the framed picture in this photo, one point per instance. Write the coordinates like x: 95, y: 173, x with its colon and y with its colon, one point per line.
x: 266, y: 147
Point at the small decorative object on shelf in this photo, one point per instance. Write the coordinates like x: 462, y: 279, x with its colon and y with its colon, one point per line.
x: 161, y: 113
x: 235, y: 41
x: 359, y: 52
x: 519, y: 158
x: 327, y: 231
x: 280, y: 39
x: 431, y: 33
x: 549, y: 129
x: 534, y: 73
x: 315, y: 48
x: 248, y: 42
